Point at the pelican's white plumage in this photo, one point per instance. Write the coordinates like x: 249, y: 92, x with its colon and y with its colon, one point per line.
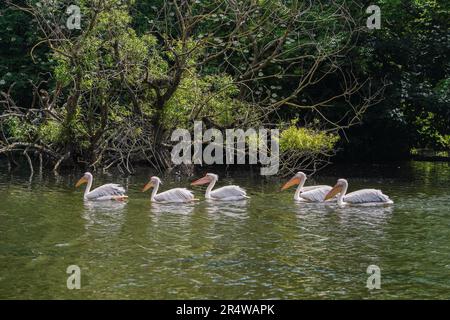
x: 366, y: 195
x: 306, y: 194
x: 310, y: 188
x: 315, y: 195
x: 172, y: 195
x: 105, y: 192
x: 363, y: 197
x: 228, y: 193
x: 110, y: 191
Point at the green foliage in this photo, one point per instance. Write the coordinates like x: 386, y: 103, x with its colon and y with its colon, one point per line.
x: 429, y: 134
x: 409, y: 52
x: 213, y: 96
x: 127, y: 48
x: 19, y: 130
x: 114, y: 58
x: 18, y: 36
x: 307, y: 140
x: 50, y: 132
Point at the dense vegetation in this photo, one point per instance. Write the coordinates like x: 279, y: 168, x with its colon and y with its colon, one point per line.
x: 110, y: 94
x: 412, y: 53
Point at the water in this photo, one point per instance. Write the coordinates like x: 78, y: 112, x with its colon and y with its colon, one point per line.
x: 267, y: 247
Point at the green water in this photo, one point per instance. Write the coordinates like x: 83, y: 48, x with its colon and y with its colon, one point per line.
x: 265, y: 248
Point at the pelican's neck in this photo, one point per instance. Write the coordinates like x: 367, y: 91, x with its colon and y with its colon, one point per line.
x: 340, y: 200
x: 154, y: 191
x: 88, y: 187
x: 208, y: 190
x: 299, y: 190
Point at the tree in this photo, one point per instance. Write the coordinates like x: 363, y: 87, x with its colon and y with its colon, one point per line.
x: 120, y: 89
x: 411, y: 52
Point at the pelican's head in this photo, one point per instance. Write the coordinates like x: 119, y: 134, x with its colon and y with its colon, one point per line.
x: 153, y: 182
x: 338, y: 187
x: 84, y: 179
x: 298, y: 178
x: 208, y: 178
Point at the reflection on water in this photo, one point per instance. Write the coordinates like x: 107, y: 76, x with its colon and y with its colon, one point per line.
x: 308, y: 208
x: 113, y: 207
x: 234, y: 209
x: 266, y: 247
x: 106, y: 216
x: 311, y: 210
x: 172, y: 208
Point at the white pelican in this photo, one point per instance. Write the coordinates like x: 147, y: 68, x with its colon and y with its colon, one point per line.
x: 225, y: 193
x: 363, y: 197
x: 110, y: 191
x: 308, y: 194
x: 172, y: 195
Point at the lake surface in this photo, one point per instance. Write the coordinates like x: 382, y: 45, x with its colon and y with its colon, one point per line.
x: 267, y: 247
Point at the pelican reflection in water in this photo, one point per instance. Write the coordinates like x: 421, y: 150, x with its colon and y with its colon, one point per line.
x: 104, y: 216
x: 173, y: 208
x: 234, y: 209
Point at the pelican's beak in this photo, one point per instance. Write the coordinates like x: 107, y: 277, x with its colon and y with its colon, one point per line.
x: 147, y: 186
x: 201, y: 181
x: 81, y: 181
x: 294, y: 181
x: 334, y: 191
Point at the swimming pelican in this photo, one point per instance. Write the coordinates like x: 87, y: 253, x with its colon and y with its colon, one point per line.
x: 308, y: 194
x: 110, y: 191
x: 363, y: 197
x: 172, y: 195
x: 224, y: 193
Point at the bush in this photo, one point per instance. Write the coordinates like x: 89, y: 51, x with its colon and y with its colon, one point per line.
x: 307, y: 140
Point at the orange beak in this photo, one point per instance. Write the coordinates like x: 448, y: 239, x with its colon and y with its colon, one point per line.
x: 147, y: 186
x: 201, y: 181
x: 81, y: 181
x: 334, y: 191
x: 294, y: 181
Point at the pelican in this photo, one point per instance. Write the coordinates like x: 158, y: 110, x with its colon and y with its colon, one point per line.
x: 110, y: 191
x: 363, y: 197
x: 172, y: 195
x: 225, y: 193
x: 306, y: 194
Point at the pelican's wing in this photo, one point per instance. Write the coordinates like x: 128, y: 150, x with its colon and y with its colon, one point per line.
x: 309, y: 188
x: 366, y: 196
x: 175, y: 195
x: 229, y: 192
x: 105, y: 192
x: 315, y: 195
